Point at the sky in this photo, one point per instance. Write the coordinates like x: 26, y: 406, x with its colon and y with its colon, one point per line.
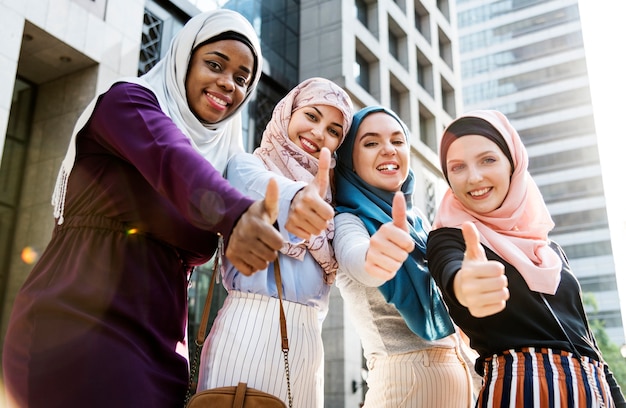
x: 604, y: 33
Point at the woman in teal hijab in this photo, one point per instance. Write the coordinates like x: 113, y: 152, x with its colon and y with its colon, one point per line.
x: 407, y: 335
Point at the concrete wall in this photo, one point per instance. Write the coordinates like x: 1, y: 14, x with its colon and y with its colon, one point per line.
x: 110, y: 36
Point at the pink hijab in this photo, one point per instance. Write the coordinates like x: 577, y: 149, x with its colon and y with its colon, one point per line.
x: 518, y: 230
x: 282, y: 156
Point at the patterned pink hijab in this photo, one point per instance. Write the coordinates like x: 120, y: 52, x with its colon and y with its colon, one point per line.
x: 518, y: 230
x: 282, y: 156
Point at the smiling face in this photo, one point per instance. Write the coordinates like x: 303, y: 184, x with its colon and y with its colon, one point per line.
x: 314, y: 127
x: 218, y: 78
x: 381, y: 152
x: 479, y: 173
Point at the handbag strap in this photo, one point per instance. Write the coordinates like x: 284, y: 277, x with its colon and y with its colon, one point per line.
x: 576, y: 353
x: 574, y: 349
x: 204, y: 322
x: 283, y: 328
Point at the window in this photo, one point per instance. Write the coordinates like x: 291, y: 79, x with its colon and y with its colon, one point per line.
x: 361, y: 72
x: 444, y: 7
x: 425, y: 73
x: 563, y: 160
x: 445, y: 48
x: 361, y: 10
x: 151, y: 40
x: 448, y: 97
x: 588, y: 249
x: 585, y: 220
x: 422, y: 20
x: 428, y: 133
x: 559, y: 130
x: 393, y: 45
x: 492, y: 89
x: 573, y: 189
x: 398, y: 98
x: 398, y: 43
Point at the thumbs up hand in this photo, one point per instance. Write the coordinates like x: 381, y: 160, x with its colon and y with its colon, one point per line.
x: 391, y: 244
x: 309, y: 213
x: 480, y: 284
x: 254, y: 241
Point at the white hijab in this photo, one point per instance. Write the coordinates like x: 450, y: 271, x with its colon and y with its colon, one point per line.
x: 216, y: 142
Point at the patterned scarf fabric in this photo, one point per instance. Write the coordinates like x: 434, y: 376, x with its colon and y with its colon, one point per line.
x: 280, y: 155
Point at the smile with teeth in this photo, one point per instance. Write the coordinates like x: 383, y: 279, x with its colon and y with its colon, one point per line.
x: 387, y: 167
x: 307, y: 144
x: 217, y: 100
x: 478, y: 193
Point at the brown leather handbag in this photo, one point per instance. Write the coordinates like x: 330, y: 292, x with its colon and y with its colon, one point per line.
x: 240, y: 396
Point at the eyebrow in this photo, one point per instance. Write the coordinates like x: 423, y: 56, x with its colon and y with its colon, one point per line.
x: 376, y: 134
x: 227, y: 58
x: 320, y: 113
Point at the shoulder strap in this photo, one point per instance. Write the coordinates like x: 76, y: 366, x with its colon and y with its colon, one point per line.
x: 204, y: 322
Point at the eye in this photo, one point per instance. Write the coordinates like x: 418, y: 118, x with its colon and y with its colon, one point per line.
x: 370, y: 144
x: 398, y: 142
x: 214, y: 65
x: 242, y: 81
x: 456, y: 167
x: 334, y: 132
x: 311, y: 116
x: 489, y: 160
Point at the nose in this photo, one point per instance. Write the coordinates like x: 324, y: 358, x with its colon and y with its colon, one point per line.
x: 388, y: 149
x: 225, y: 82
x: 475, y: 175
x: 317, y: 132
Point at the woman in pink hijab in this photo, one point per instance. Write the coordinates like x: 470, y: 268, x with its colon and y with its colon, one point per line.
x: 307, y: 125
x: 507, y: 285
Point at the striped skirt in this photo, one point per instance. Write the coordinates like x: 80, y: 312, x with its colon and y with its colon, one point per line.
x: 545, y: 378
x: 244, y: 345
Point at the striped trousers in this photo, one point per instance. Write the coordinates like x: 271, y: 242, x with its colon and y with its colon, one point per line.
x: 546, y: 378
x: 244, y: 346
x: 430, y: 378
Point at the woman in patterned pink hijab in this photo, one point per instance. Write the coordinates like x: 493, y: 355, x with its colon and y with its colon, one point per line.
x: 310, y: 122
x: 282, y: 155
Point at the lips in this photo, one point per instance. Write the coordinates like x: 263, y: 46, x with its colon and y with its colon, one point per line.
x: 388, y: 167
x: 309, y: 146
x: 480, y: 192
x: 217, y: 100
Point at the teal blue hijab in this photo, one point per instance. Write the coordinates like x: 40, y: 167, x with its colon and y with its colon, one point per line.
x: 412, y: 291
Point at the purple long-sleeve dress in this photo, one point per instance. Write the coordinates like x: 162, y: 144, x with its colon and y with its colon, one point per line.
x: 98, y: 320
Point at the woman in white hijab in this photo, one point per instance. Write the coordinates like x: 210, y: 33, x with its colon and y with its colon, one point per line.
x: 140, y: 200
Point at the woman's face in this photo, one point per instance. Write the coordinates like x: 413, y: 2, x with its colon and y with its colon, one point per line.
x: 218, y: 78
x: 314, y: 127
x: 479, y: 173
x: 381, y: 152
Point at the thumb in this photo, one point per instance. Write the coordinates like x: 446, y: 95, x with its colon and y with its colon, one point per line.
x: 270, y: 202
x: 473, y: 249
x: 322, y: 176
x: 398, y: 211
